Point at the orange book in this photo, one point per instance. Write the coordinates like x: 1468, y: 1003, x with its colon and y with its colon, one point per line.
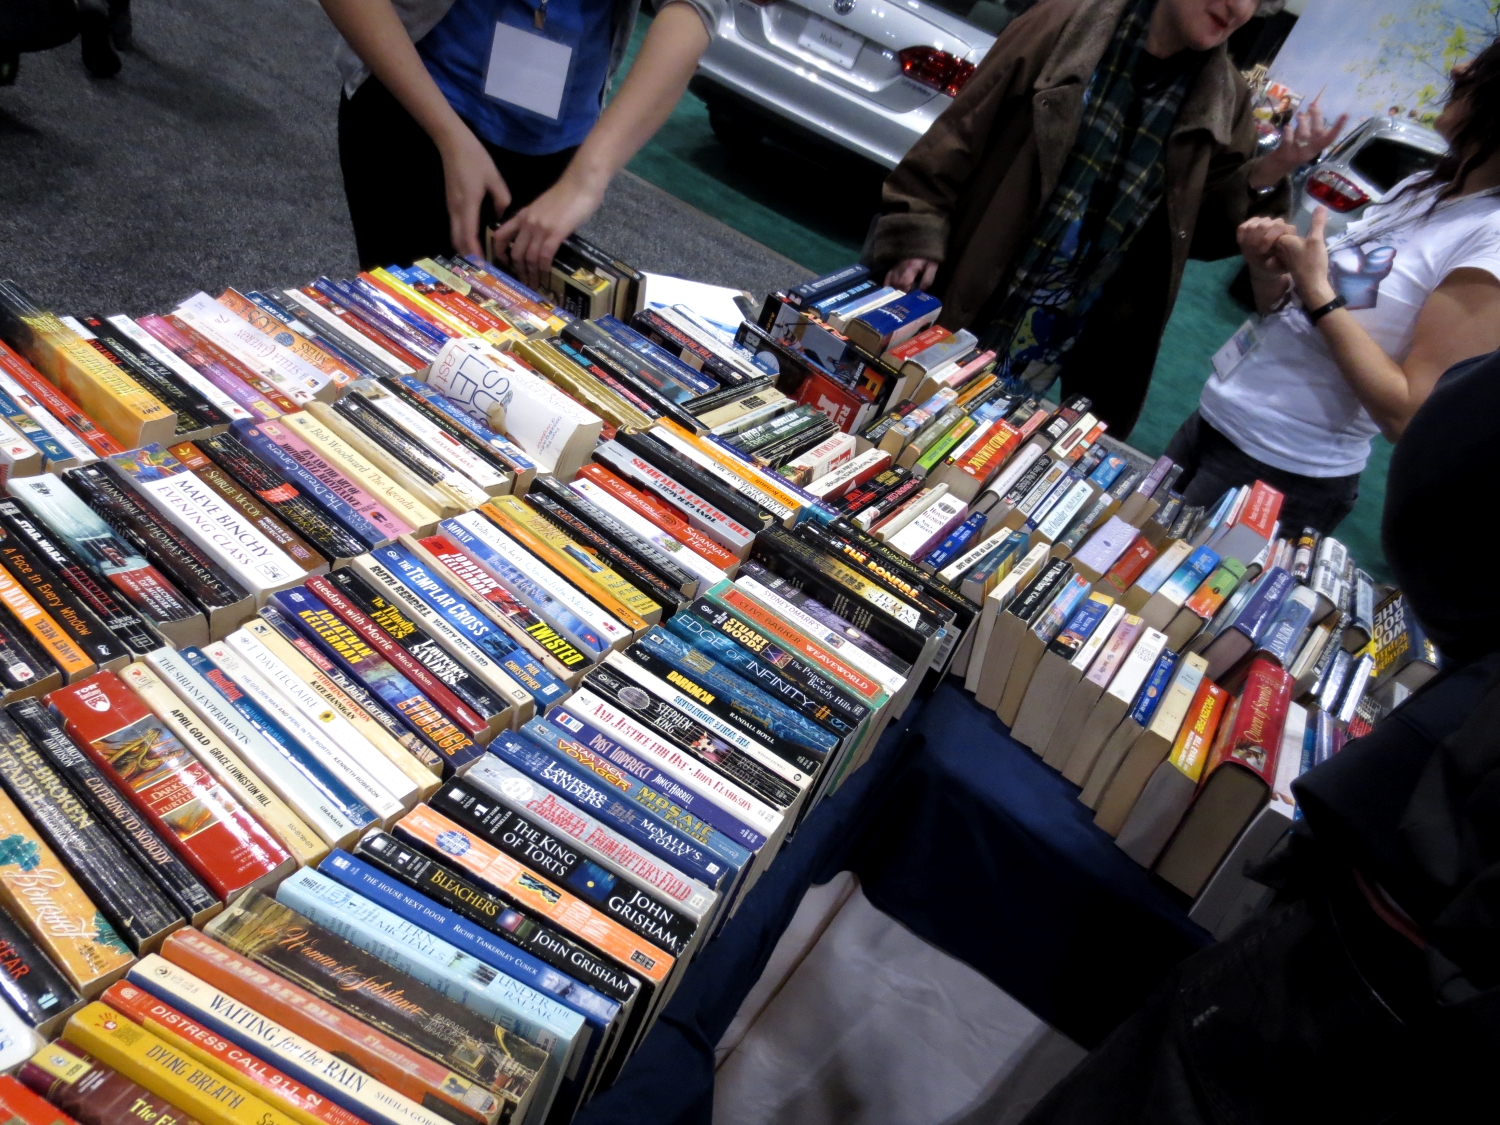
x: 303, y: 348
x: 435, y: 832
x: 71, y: 660
x: 19, y: 1106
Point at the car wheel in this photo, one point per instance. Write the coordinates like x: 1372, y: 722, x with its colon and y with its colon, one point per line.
x: 732, y: 129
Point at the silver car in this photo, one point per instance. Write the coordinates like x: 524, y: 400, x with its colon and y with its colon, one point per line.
x: 867, y: 75
x: 1363, y: 168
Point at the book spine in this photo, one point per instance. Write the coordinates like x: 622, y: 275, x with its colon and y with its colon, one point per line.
x: 137, y: 909
x: 19, y: 1104
x: 355, y: 498
x: 42, y: 895
x: 312, y: 486
x: 204, y: 822
x: 220, y: 1056
x: 316, y: 796
x: 243, y: 502
x: 360, y: 984
x: 65, y: 607
x: 424, y: 1080
x: 92, y: 1093
x: 399, y: 482
x: 257, y: 396
x: 186, y: 891
x: 154, y: 376
x: 424, y: 826
x: 289, y: 635
x: 58, y: 404
x: 71, y: 660
x: 347, y: 648
x: 294, y: 833
x: 29, y: 981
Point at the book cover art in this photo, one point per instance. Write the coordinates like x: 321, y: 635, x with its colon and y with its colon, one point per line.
x: 208, y: 826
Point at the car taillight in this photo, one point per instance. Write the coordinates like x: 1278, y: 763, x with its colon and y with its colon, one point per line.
x: 937, y: 69
x: 1334, y: 191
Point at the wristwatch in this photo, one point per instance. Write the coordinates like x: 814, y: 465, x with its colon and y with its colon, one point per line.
x: 1317, y: 314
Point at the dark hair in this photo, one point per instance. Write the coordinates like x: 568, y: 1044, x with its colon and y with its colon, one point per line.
x: 1478, y: 136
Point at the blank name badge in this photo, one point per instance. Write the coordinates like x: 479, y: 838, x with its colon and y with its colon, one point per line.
x: 830, y: 41
x: 528, y: 70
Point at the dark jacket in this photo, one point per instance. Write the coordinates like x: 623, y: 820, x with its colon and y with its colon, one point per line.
x: 968, y: 192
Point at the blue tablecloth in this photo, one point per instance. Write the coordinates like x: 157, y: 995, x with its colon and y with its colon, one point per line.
x: 966, y: 838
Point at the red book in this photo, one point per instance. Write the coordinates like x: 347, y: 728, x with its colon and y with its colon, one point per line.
x: 94, y: 1094
x: 839, y: 402
x: 378, y: 639
x: 19, y: 1106
x: 1236, y: 782
x: 203, y: 822
x: 59, y: 405
x: 1131, y: 565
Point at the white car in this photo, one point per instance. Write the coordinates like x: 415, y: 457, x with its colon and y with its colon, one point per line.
x: 1362, y: 169
x: 867, y: 75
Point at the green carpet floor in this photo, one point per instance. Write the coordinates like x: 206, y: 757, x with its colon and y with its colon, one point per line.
x: 777, y: 197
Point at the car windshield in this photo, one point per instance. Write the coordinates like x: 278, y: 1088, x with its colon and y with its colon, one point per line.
x: 1385, y: 162
x: 987, y: 15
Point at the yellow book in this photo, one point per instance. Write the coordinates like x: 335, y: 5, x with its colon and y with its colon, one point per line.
x: 426, y: 780
x: 436, y: 311
x: 167, y: 1071
x: 581, y: 385
x: 41, y: 894
x: 524, y: 324
x: 617, y: 596
x: 111, y: 397
x: 361, y: 467
x: 226, y: 765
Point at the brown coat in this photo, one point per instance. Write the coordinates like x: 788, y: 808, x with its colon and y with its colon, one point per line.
x: 967, y: 193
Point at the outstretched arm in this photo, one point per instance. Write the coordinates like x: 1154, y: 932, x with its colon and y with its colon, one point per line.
x: 1458, y: 321
x: 650, y: 92
x: 375, y: 32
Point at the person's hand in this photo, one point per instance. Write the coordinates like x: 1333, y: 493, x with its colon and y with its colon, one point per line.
x: 913, y: 273
x: 1301, y: 140
x: 469, y: 174
x: 1306, y: 260
x: 1258, y: 239
x: 530, y: 237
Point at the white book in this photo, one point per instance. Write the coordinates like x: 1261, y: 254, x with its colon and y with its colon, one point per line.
x: 705, y: 571
x: 210, y: 522
x: 1137, y: 666
x: 184, y: 371
x: 923, y: 533
x: 736, y: 481
x: 544, y: 576
x: 676, y: 764
x: 547, y: 424
x: 293, y: 376
x: 324, y: 322
x: 464, y: 462
x: 380, y: 800
x: 1090, y: 648
x: 288, y: 782
x: 45, y: 419
x: 18, y: 457
x: 1064, y: 510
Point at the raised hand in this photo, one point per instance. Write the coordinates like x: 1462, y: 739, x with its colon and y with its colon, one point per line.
x: 913, y: 273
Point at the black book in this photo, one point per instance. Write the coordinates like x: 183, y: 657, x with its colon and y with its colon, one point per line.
x: 23, y: 664
x: 328, y: 535
x: 529, y: 842
x: 35, y: 987
x: 397, y: 443
x: 120, y: 619
x: 419, y: 644
x: 139, y: 911
x: 160, y: 379
x: 72, y: 615
x: 691, y: 476
x: 185, y: 890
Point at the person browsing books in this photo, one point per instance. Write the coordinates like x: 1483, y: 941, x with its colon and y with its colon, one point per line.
x: 1355, y: 332
x: 457, y: 113
x: 1054, y: 204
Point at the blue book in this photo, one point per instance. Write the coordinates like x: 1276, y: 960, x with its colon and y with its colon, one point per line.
x: 627, y: 760
x: 564, y: 1034
x: 1109, y: 469
x: 694, y: 382
x: 1190, y: 575
x: 272, y: 307
x: 957, y: 542
x: 490, y: 948
x: 1049, y: 623
x: 472, y: 623
x: 824, y: 305
x: 688, y: 651
x: 801, y: 296
x: 878, y: 325
x: 1080, y: 627
x: 320, y: 776
x: 1270, y: 591
x: 345, y: 295
x: 1283, y: 634
x: 548, y: 755
x: 1153, y: 689
x: 337, y: 509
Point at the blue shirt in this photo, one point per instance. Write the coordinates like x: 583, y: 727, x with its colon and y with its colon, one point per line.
x: 457, y: 54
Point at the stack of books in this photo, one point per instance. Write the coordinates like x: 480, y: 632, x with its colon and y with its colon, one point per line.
x: 406, y: 676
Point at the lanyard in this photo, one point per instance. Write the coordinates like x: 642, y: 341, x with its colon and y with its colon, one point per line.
x: 539, y: 17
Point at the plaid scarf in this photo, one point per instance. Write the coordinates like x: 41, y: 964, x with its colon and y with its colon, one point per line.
x: 1109, y: 186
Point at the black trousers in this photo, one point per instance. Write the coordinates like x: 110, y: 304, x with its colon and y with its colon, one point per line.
x: 393, y: 179
x: 1212, y: 464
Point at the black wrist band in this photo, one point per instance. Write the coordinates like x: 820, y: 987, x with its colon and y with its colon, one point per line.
x: 1321, y: 311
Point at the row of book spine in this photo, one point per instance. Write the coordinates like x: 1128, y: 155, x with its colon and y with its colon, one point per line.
x: 424, y: 664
